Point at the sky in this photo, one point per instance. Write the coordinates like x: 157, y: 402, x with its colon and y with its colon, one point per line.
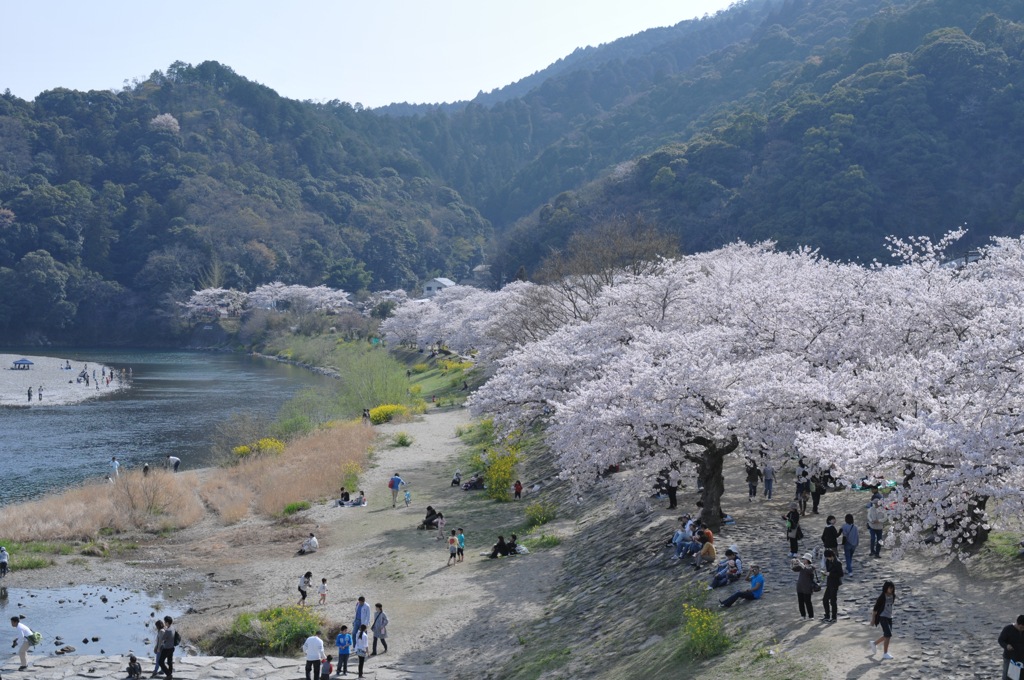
x: 372, y: 52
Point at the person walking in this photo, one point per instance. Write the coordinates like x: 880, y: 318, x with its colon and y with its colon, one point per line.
x: 876, y: 524
x: 817, y: 489
x: 768, y: 473
x: 167, y: 644
x: 850, y: 540
x: 793, y: 531
x: 830, y: 536
x: 362, y: 617
x: 22, y: 642
x: 379, y: 628
x: 30, y: 394
x: 158, y: 645
x: 394, y: 484
x: 833, y: 579
x: 344, y: 644
x: 754, y: 592
x: 461, y: 551
x: 305, y: 581
x: 362, y: 646
x: 803, y: 476
x: 4, y: 561
x: 114, y: 467
x: 805, y: 581
x: 1011, y: 639
x: 881, y: 615
x: 753, y: 476
x: 314, y: 649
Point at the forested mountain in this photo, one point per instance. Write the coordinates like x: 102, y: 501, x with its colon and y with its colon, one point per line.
x: 828, y: 123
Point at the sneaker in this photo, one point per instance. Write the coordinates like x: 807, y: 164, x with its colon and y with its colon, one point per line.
x: 832, y: 620
x: 874, y: 647
x: 887, y: 655
x: 675, y: 557
x: 710, y: 588
x: 825, y: 618
x: 721, y: 604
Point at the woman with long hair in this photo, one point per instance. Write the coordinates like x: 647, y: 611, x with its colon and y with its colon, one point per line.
x: 881, y: 615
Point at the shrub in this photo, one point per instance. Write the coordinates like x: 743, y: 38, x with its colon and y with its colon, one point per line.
x: 29, y: 562
x: 705, y: 636
x: 540, y: 512
x: 385, y: 412
x: 296, y: 426
x: 499, y: 473
x: 420, y: 368
x: 242, y: 451
x: 350, y: 474
x: 542, y: 541
x: 269, y: 446
x: 295, y: 507
x: 416, y: 390
x: 280, y: 630
x: 403, y: 439
x: 447, y: 365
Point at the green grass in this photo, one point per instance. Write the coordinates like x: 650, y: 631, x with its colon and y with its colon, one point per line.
x: 280, y: 631
x: 540, y: 512
x: 295, y: 507
x: 1003, y: 544
x: 37, y: 547
x: 21, y: 562
x: 402, y: 439
x: 534, y: 543
x: 532, y: 664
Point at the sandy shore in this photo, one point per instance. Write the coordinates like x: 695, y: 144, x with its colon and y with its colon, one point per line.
x: 58, y: 384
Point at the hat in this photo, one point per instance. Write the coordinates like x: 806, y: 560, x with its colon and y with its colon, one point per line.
x: 808, y: 557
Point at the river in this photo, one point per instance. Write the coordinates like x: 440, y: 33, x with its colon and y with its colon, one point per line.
x: 173, y: 406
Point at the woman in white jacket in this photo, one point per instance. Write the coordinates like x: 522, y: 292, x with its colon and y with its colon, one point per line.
x: 362, y: 646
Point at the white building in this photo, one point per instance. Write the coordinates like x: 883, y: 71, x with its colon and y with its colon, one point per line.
x: 435, y: 286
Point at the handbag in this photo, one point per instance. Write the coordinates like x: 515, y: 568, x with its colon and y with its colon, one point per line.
x: 1013, y: 670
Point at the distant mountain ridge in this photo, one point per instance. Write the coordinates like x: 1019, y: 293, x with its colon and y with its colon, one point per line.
x: 827, y: 123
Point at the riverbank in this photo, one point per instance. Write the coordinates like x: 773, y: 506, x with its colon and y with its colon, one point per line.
x: 49, y: 382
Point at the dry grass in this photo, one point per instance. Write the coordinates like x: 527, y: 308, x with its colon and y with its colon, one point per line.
x: 310, y: 469
x: 160, y: 501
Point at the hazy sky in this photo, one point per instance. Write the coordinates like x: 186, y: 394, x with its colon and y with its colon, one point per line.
x: 370, y: 51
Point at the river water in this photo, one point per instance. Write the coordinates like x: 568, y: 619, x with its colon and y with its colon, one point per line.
x: 173, y: 406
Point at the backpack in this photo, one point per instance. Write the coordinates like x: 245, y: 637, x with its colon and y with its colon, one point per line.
x: 391, y: 483
x: 177, y: 638
x: 35, y: 638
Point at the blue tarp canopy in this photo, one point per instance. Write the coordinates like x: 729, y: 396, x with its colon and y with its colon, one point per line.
x: 23, y: 362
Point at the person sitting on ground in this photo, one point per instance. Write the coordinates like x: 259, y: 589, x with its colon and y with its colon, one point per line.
x: 310, y: 545
x: 728, y: 570
x: 680, y: 535
x: 134, y: 669
x: 457, y: 478
x: 358, y: 501
x: 344, y: 498
x: 754, y: 592
x: 707, y: 554
x: 499, y: 548
x: 513, y: 545
x: 694, y: 544
x: 475, y: 483
x: 429, y: 519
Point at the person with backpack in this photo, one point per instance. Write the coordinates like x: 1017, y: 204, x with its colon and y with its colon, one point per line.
x: 876, y: 524
x: 395, y: 483
x: 169, y: 641
x: 850, y: 541
x: 24, y: 639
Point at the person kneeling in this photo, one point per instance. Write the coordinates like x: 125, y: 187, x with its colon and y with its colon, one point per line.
x: 752, y: 593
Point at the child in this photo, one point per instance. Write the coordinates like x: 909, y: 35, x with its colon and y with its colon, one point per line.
x: 326, y: 668
x: 323, y: 591
x: 462, y: 545
x: 440, y: 526
x: 134, y: 668
x: 408, y: 497
x: 344, y: 644
x: 453, y: 547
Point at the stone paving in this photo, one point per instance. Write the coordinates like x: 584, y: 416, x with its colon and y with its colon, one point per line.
x: 200, y: 668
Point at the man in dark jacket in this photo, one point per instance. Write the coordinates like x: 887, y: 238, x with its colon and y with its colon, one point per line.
x: 833, y: 579
x: 1012, y: 642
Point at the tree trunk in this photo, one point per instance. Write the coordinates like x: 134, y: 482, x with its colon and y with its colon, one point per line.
x: 710, y: 472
